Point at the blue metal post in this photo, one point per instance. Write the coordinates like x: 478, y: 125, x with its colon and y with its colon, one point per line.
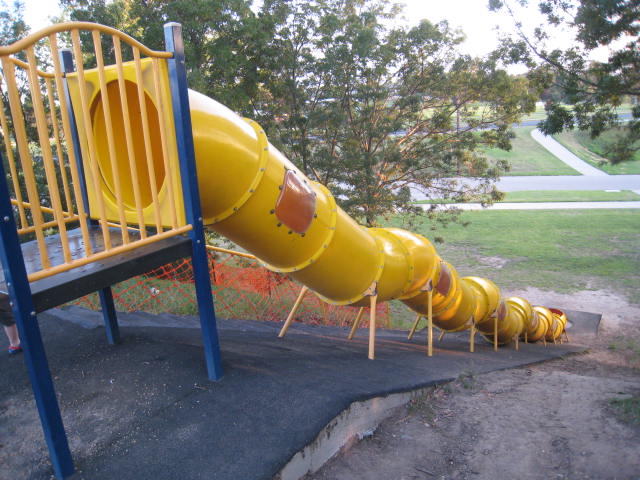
x: 193, y: 210
x: 109, y: 315
x: 30, y: 339
x: 66, y: 59
x: 106, y: 296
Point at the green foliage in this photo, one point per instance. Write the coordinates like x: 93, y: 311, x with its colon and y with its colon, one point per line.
x: 366, y: 108
x: 590, y: 89
x: 372, y: 110
x: 219, y: 38
x: 595, y: 150
x: 12, y: 24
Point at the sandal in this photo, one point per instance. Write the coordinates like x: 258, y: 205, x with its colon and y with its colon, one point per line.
x: 14, y: 350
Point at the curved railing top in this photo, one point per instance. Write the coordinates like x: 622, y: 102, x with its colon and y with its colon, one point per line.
x: 88, y: 26
x: 51, y: 164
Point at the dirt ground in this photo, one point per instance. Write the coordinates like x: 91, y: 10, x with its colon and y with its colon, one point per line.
x: 546, y: 421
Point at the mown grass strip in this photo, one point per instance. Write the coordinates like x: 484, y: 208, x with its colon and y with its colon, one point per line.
x: 528, y: 157
x: 559, y: 250
x: 571, y: 196
x: 593, y: 151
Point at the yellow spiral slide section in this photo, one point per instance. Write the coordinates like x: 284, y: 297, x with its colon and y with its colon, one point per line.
x: 243, y: 181
x: 252, y: 194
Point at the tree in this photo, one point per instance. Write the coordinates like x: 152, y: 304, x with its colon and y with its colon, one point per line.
x: 592, y: 89
x: 367, y: 108
x: 217, y: 34
x: 374, y: 111
x: 14, y: 28
x: 12, y: 24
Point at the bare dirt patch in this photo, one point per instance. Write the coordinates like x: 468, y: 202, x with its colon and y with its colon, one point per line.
x: 551, y: 420
x: 493, y: 262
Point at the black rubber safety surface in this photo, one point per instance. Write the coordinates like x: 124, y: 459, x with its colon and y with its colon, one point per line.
x: 145, y: 409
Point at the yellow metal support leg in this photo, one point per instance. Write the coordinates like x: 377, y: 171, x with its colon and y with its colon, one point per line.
x: 566, y: 335
x: 372, y: 327
x: 356, y: 324
x: 292, y: 314
x: 414, y: 327
x: 472, y: 336
x: 430, y: 323
x: 388, y: 322
x: 442, y: 334
x: 324, y: 313
x: 495, y: 333
x: 517, y: 342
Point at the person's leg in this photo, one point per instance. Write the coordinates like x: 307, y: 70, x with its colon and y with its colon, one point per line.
x: 14, y: 339
x: 12, y: 333
x: 9, y: 324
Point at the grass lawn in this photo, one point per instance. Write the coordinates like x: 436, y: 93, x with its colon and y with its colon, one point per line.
x: 562, y: 196
x: 560, y: 250
x: 528, y: 157
x: 541, y: 114
x: 627, y: 410
x: 571, y: 196
x: 591, y: 151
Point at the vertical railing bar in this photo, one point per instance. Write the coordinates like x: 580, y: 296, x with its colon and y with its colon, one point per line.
x: 147, y: 139
x: 165, y: 148
x: 106, y: 108
x: 73, y: 161
x: 25, y: 157
x: 127, y: 133
x: 92, y: 155
x: 59, y: 150
x: 47, y: 154
x: 24, y: 223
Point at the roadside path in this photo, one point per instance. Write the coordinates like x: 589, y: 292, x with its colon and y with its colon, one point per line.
x: 591, y: 178
x: 542, y: 205
x: 564, y: 154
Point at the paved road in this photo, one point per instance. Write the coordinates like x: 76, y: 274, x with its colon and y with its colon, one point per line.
x: 577, y: 182
x: 569, y: 182
x: 591, y: 178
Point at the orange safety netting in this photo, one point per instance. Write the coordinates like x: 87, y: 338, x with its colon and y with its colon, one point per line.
x: 241, y: 287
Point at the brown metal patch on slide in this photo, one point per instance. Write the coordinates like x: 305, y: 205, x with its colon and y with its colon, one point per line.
x: 296, y: 204
x: 502, y: 311
x: 444, y: 282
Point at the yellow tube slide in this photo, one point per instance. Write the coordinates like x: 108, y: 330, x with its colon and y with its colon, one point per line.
x: 252, y: 194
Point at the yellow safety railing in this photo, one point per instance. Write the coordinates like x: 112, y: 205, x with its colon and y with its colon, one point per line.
x: 124, y: 170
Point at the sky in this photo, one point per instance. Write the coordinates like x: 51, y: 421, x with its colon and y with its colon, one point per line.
x: 472, y: 16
